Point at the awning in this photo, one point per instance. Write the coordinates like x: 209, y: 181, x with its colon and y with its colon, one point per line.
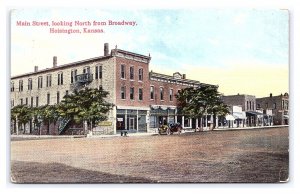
x: 229, y: 118
x: 254, y: 113
x: 239, y: 115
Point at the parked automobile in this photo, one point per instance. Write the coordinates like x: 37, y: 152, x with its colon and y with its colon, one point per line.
x: 170, y: 129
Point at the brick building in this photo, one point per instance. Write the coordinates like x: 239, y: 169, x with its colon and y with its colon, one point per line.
x: 279, y: 106
x: 142, y: 99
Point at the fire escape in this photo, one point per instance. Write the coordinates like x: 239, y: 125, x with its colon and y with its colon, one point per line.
x: 80, y: 82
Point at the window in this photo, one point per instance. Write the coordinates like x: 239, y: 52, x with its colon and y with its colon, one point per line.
x: 131, y: 70
x: 67, y: 92
x: 73, y: 75
x: 258, y: 106
x: 131, y: 93
x: 37, y: 101
x: 140, y: 94
x: 123, y: 74
x: 48, y: 98
x: 161, y: 93
x: 29, y: 84
x: 40, y: 82
x: 267, y: 105
x: 100, y: 87
x: 151, y: 92
x: 86, y: 70
x: 57, y: 97
x: 274, y: 105
x: 141, y: 74
x: 26, y: 101
x: 60, y: 79
x: 12, y: 103
x: 12, y: 86
x: 20, y: 85
x: 123, y: 92
x: 21, y: 101
x: 48, y: 80
x: 247, y: 105
x: 171, y: 94
x: 98, y: 72
x: 31, y: 102
x: 250, y: 105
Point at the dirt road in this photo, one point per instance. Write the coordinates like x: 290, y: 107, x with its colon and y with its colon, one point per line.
x: 256, y: 155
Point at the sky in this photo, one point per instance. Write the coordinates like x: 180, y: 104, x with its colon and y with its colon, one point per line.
x: 244, y: 51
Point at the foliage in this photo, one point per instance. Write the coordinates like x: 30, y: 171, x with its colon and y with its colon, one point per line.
x: 196, y: 102
x: 85, y: 105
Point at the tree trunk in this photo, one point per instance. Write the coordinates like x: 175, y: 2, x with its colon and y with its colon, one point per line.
x: 214, y: 121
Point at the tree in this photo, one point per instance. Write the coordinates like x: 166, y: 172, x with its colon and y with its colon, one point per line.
x: 21, y: 115
x: 48, y: 114
x: 197, y: 102
x: 86, y: 105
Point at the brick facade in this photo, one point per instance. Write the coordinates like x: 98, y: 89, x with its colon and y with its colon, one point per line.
x: 279, y: 106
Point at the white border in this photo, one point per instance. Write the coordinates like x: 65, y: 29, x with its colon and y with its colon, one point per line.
x: 291, y: 187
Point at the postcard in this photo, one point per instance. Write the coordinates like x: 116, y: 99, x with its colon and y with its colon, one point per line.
x: 149, y: 96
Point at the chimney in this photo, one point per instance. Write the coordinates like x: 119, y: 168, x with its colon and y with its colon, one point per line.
x: 271, y: 95
x: 54, y: 61
x: 183, y: 76
x: 36, y: 68
x: 106, y: 49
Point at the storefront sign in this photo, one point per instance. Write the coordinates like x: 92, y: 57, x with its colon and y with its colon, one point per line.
x: 119, y: 119
x: 105, y: 123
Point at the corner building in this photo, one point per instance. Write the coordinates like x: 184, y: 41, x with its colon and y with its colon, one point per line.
x: 142, y: 99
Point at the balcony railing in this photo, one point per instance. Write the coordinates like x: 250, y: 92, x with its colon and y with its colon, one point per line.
x: 84, y: 78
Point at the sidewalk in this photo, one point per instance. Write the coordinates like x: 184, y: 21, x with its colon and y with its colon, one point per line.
x: 35, y: 137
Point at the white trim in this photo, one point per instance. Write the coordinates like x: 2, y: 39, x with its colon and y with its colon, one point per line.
x: 133, y: 107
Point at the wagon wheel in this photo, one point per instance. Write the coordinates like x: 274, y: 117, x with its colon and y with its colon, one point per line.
x: 168, y: 131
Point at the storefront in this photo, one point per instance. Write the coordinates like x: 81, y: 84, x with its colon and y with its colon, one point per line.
x: 133, y: 119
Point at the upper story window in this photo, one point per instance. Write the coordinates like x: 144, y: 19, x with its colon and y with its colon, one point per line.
x: 60, y: 78
x: 29, y: 84
x: 40, y: 82
x: 48, y: 98
x: 151, y: 92
x: 57, y: 97
x: 98, y: 72
x: 37, y: 101
x: 21, y: 101
x: 48, y: 80
x: 31, y: 102
x: 123, y: 92
x: 123, y: 72
x: 140, y: 94
x: 267, y: 106
x: 12, y: 86
x: 73, y: 75
x: 274, y: 105
x: 131, y: 71
x: 20, y: 85
x: 161, y: 93
x: 141, y: 76
x: 171, y: 94
x: 258, y: 106
x: 86, y: 70
x: 131, y: 93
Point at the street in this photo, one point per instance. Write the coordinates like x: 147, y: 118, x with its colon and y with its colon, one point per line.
x: 253, y: 155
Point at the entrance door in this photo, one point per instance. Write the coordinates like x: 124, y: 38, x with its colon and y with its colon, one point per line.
x: 131, y: 123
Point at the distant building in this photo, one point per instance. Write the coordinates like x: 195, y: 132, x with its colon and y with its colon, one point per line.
x: 247, y: 104
x: 279, y: 106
